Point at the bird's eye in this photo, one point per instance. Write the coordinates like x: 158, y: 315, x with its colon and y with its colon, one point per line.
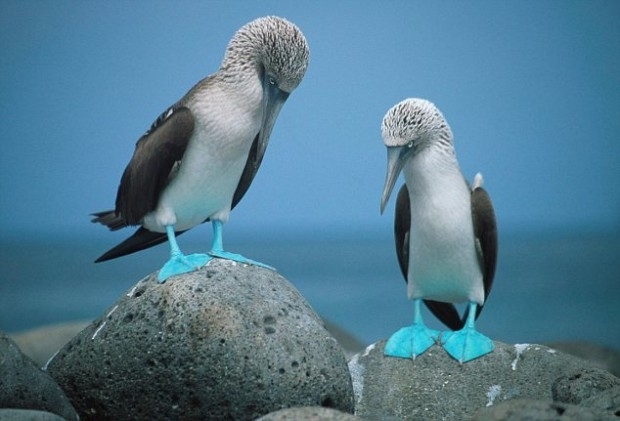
x: 410, y: 145
x: 272, y: 80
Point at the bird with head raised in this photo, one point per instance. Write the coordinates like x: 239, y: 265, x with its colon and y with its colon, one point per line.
x: 200, y: 156
x: 445, y: 232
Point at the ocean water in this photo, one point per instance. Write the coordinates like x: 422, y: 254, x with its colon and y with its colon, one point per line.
x: 547, y: 287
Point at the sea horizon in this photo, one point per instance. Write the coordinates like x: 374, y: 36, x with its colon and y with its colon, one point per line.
x: 551, y: 286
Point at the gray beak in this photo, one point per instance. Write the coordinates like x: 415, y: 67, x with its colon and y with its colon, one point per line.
x: 395, y: 162
x: 273, y: 100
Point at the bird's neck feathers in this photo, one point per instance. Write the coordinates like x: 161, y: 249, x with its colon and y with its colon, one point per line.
x: 432, y: 165
x: 437, y: 151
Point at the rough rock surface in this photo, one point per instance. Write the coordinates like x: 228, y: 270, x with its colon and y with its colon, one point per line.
x: 435, y: 386
x: 582, y: 384
x: 23, y: 385
x: 538, y: 410
x: 607, y: 401
x: 41, y: 343
x: 308, y: 413
x: 228, y: 341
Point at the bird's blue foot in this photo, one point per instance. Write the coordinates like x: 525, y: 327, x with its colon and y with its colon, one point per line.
x: 180, y: 263
x: 221, y: 254
x: 466, y: 344
x: 410, y: 341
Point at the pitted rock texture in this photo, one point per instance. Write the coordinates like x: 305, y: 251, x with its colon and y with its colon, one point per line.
x: 23, y: 385
x: 580, y: 385
x: 228, y: 341
x: 435, y: 386
x: 607, y: 401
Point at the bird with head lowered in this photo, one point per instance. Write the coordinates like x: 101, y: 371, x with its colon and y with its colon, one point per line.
x: 200, y: 156
x: 445, y: 232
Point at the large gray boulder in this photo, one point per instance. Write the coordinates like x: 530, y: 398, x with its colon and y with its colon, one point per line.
x: 435, y: 386
x: 228, y: 341
x: 23, y: 385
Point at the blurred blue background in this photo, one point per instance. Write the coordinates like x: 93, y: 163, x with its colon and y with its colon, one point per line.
x: 530, y: 89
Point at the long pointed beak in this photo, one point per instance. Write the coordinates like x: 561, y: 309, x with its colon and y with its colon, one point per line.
x: 273, y: 100
x: 395, y: 164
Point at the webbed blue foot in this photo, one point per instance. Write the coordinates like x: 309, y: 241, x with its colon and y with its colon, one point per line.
x: 467, y: 344
x: 411, y: 341
x: 181, y: 263
x: 178, y: 262
x: 217, y: 249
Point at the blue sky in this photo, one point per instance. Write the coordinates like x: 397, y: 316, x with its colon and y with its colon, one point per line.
x: 531, y: 90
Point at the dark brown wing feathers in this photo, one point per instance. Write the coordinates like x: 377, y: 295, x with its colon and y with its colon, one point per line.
x: 154, y: 157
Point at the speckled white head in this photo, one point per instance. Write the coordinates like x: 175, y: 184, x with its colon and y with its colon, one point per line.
x: 271, y: 45
x: 416, y: 123
x: 408, y: 128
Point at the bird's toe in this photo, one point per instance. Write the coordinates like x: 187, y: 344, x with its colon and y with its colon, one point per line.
x: 178, y: 265
x: 466, y: 344
x: 410, y: 341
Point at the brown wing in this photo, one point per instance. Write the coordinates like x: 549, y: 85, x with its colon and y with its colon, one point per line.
x: 147, y: 173
x: 485, y: 232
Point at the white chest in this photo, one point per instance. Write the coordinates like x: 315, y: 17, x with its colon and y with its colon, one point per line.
x: 225, y: 127
x: 442, y: 256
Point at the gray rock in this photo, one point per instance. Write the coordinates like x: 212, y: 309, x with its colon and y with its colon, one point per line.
x: 226, y: 342
x: 24, y: 386
x: 41, y: 343
x: 308, y: 413
x: 576, y: 386
x: 28, y: 415
x: 435, y: 386
x: 602, y: 356
x: 607, y: 401
x: 538, y: 410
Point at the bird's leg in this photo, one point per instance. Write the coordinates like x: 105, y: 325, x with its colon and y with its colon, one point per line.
x: 467, y: 344
x: 411, y: 341
x: 178, y: 262
x: 217, y: 248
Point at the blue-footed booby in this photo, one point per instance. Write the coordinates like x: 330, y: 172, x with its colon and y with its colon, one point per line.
x: 445, y: 231
x: 200, y: 156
